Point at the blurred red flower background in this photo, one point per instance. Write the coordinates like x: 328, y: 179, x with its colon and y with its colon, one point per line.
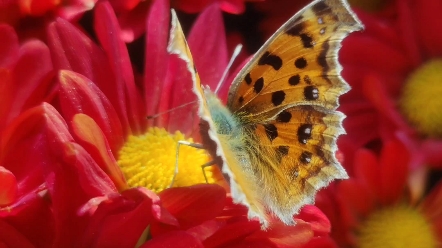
x: 79, y: 78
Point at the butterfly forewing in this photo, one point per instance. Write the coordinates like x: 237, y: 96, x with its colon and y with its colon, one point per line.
x: 298, y: 64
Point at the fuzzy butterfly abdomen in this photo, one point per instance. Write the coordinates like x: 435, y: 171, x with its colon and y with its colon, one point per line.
x: 229, y: 142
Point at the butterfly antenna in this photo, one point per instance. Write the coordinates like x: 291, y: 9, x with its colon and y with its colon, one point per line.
x: 234, y: 55
x: 169, y: 110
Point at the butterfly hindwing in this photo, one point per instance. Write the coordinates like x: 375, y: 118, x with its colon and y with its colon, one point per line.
x: 298, y: 64
x: 297, y: 150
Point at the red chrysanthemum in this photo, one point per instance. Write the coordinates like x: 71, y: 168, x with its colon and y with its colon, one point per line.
x: 392, y: 67
x: 376, y: 207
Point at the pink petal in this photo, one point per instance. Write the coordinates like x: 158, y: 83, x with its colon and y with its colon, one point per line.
x: 79, y: 95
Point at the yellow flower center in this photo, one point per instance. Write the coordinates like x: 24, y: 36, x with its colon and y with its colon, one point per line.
x: 149, y: 161
x: 397, y: 226
x: 421, y: 100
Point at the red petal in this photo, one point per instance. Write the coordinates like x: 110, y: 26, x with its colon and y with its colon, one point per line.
x: 426, y: 19
x: 133, y: 23
x: 89, y: 134
x: 318, y: 221
x: 367, y: 170
x: 195, y: 204
x: 395, y: 162
x: 11, y: 237
x: 121, y: 221
x: 232, y: 233
x: 207, y: 40
x: 73, y: 50
x: 109, y: 33
x: 176, y: 239
x: 30, y: 218
x: 8, y: 186
x: 79, y: 95
x: 155, y: 70
x: 285, y: 236
x: 27, y: 84
x: 431, y: 207
x: 30, y: 77
x: 8, y: 46
x: 376, y: 93
x: 206, y: 229
x: 24, y: 136
x: 233, y: 6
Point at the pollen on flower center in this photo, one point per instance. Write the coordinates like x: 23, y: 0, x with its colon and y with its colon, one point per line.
x: 421, y: 98
x: 149, y: 161
x: 398, y: 226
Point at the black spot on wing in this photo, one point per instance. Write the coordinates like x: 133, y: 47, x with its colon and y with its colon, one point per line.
x: 270, y: 59
x: 321, y: 8
x: 301, y: 63
x: 278, y: 97
x: 248, y: 79
x: 259, y: 84
x: 304, y: 133
x: 271, y: 131
x: 284, y: 116
x: 311, y: 93
x: 294, y: 80
x: 306, y: 157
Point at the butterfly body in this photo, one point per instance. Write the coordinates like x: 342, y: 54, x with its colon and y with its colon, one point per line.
x: 276, y: 137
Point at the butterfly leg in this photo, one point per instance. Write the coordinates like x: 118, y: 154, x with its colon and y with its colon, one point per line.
x: 210, y: 163
x: 179, y: 143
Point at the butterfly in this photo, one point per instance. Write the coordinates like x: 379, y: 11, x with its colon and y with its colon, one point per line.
x: 276, y: 136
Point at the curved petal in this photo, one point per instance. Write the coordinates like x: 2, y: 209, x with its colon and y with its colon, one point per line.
x: 426, y: 19
x: 8, y: 186
x: 73, y: 50
x: 156, y: 57
x: 208, y: 42
x: 394, y: 168
x: 109, y: 34
x: 195, y: 204
x: 90, y: 136
x: 178, y: 239
x: 122, y: 220
x: 8, y: 46
x: 79, y: 95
